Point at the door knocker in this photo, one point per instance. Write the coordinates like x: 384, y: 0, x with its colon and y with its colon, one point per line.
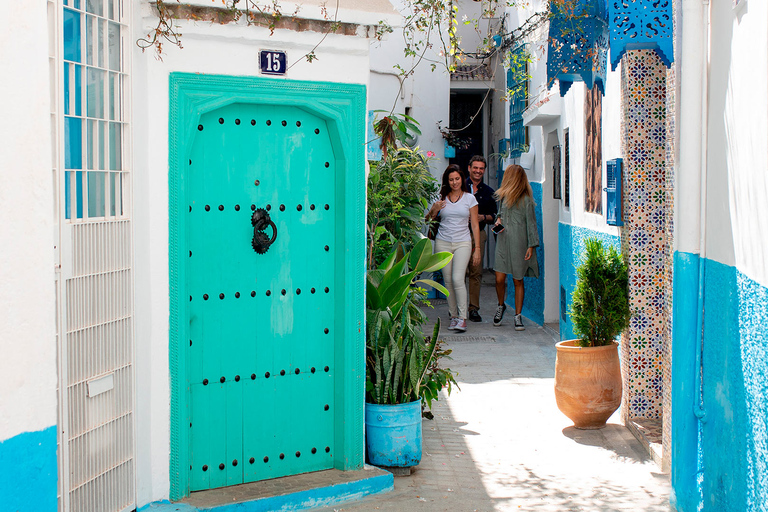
x: 260, y: 220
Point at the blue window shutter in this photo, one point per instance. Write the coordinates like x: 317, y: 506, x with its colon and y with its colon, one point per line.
x: 517, y: 85
x: 613, y: 199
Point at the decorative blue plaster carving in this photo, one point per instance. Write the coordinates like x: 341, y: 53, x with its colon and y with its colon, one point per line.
x: 641, y: 25
x: 578, y: 44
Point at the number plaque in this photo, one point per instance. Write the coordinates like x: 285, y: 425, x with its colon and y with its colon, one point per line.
x: 272, y: 62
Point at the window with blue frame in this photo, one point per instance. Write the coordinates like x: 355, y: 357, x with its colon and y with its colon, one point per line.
x: 517, y: 85
x: 94, y: 81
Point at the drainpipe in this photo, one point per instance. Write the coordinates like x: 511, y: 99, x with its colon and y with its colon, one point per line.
x: 698, y: 407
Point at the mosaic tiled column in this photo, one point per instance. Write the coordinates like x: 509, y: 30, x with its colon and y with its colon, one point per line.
x: 644, y: 135
x: 669, y: 236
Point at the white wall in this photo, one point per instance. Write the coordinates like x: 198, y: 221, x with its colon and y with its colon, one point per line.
x: 27, y: 293
x: 728, y: 149
x: 737, y: 159
x: 214, y: 49
x: 573, y: 120
x: 426, y: 92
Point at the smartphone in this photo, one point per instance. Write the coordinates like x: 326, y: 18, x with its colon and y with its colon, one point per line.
x: 498, y: 228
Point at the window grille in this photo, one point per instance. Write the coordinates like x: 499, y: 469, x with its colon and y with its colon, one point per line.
x: 94, y: 281
x: 94, y: 80
x: 556, y: 170
x: 567, y: 170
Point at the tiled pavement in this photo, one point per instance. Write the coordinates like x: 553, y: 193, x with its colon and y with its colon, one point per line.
x: 501, y: 443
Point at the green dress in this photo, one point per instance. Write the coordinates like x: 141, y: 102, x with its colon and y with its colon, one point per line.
x: 520, y: 233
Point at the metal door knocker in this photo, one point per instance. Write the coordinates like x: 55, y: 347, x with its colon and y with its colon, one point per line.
x: 260, y: 220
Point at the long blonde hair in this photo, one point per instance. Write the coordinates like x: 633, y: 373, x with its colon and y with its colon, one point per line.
x: 514, y: 186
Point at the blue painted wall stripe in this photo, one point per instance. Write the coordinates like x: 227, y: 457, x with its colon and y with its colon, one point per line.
x: 719, y: 464
x: 685, y: 445
x: 28, y: 472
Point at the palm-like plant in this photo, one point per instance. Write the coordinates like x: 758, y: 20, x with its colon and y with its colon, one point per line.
x: 600, y: 309
x: 398, y: 355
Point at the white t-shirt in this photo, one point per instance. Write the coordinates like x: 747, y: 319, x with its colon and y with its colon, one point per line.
x: 454, y: 219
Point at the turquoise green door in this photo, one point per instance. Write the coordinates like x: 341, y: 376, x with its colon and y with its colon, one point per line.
x: 260, y: 367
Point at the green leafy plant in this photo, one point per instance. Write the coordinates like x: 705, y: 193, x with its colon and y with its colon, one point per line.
x: 393, y: 128
x: 402, y: 364
x: 600, y: 309
x: 400, y: 188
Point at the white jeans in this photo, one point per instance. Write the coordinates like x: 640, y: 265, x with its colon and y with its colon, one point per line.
x: 454, y: 273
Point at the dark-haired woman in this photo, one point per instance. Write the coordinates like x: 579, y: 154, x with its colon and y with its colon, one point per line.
x: 457, y: 209
x: 516, y: 244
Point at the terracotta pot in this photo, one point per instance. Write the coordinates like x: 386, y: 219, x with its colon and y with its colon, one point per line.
x: 587, y: 383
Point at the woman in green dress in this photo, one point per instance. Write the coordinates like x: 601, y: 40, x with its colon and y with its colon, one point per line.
x: 516, y: 243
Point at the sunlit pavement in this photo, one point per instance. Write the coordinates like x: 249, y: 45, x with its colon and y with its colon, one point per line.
x: 500, y: 443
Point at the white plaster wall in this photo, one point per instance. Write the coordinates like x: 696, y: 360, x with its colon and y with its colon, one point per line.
x: 573, y: 120
x: 214, y: 49
x: 737, y: 159
x: 425, y: 92
x: 27, y: 294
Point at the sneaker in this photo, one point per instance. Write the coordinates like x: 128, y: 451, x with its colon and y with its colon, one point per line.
x: 475, y: 316
x: 519, y: 323
x: 499, y: 314
x: 461, y: 325
x: 453, y: 323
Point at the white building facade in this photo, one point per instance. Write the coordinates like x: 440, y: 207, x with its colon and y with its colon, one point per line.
x: 88, y: 415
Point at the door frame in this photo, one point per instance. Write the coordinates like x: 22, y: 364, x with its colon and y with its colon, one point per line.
x: 343, y: 108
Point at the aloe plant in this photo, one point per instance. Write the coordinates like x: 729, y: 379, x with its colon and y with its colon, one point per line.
x: 398, y: 355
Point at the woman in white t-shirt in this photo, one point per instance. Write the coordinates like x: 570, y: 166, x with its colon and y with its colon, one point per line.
x: 457, y: 209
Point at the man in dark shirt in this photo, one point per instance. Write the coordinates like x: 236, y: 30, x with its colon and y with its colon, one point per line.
x: 486, y: 215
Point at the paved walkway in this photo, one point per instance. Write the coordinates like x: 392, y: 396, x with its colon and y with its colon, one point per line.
x: 501, y: 443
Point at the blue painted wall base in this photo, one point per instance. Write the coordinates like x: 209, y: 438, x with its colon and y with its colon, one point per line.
x: 28, y: 472
x: 331, y: 495
x: 533, y: 303
x: 719, y: 464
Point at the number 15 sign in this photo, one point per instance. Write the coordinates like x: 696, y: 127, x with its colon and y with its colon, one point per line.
x: 272, y: 62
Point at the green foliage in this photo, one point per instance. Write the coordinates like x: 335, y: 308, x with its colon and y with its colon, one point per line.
x: 394, y: 128
x: 401, y: 363
x: 400, y: 188
x: 600, y: 309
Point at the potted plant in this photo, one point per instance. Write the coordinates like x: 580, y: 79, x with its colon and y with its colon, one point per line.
x: 401, y: 362
x: 587, y: 372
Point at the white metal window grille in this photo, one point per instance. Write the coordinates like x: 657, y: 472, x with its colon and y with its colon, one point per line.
x: 90, y: 127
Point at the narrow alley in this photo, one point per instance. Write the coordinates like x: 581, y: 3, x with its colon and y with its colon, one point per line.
x: 501, y: 443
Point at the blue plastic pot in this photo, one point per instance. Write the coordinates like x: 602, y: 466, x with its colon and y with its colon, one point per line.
x: 393, y: 434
